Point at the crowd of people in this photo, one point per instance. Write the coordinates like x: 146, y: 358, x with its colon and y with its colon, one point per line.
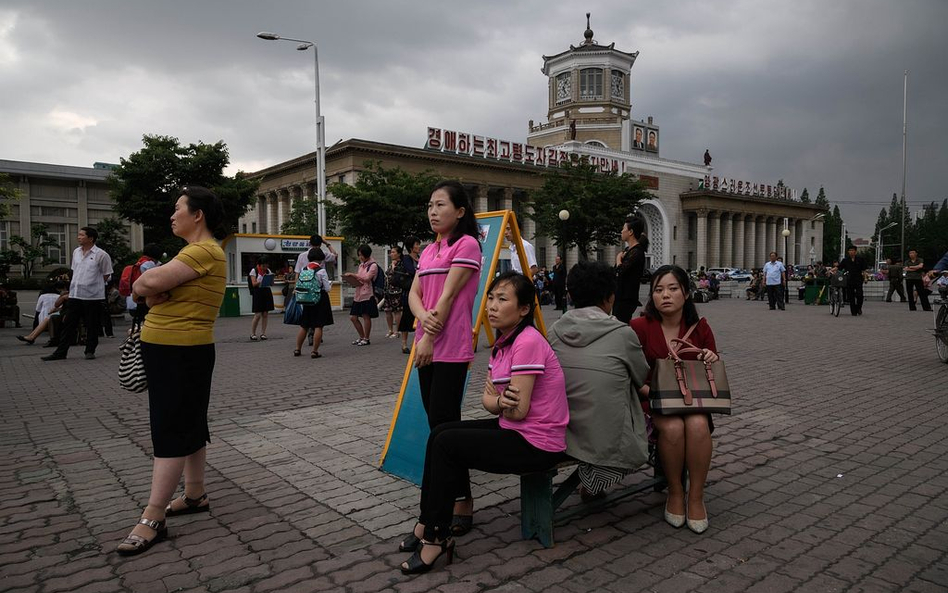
x: 582, y: 393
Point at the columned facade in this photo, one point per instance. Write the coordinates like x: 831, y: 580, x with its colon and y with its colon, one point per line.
x: 741, y: 231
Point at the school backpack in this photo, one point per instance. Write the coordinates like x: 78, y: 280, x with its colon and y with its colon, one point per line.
x: 308, y: 289
x: 130, y: 274
x: 378, y: 284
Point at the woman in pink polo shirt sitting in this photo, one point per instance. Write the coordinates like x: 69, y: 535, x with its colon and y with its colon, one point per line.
x: 442, y: 299
x: 526, y: 390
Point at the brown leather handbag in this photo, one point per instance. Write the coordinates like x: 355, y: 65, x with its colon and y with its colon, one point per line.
x: 688, y: 386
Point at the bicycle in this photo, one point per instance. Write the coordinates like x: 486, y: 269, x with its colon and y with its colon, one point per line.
x: 941, y: 325
x: 837, y: 282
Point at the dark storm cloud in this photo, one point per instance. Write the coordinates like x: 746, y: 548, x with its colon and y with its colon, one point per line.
x: 810, y: 92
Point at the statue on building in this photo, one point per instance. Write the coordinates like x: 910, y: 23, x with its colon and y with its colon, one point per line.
x: 572, y: 129
x: 707, y: 158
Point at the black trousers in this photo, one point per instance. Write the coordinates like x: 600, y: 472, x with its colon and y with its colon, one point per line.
x: 456, y: 447
x: 442, y: 388
x: 90, y: 313
x: 916, y: 285
x: 854, y: 296
x: 559, y: 298
x: 895, y: 286
x: 775, y: 295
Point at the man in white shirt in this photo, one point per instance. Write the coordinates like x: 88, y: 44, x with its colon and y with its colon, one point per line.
x: 527, y: 249
x: 315, y: 241
x: 774, y: 277
x: 91, y: 268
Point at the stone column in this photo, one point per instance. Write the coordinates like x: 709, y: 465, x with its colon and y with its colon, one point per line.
x: 508, y: 199
x: 714, y: 240
x: 739, y: 241
x: 281, y: 211
x: 791, y: 243
x: 750, y: 241
x: 701, y: 240
x: 262, y: 216
x: 273, y: 223
x: 761, y: 257
x: 818, y: 243
x: 480, y: 201
x: 727, y: 240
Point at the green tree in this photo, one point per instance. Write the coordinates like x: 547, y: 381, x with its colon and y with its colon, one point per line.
x: 597, y: 204
x: 112, y: 232
x: 385, y: 205
x: 28, y: 252
x: 145, y: 185
x: 8, y: 193
x: 805, y: 196
x: 303, y: 219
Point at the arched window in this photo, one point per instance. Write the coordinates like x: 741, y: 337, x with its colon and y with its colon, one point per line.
x: 590, y: 84
x: 595, y: 143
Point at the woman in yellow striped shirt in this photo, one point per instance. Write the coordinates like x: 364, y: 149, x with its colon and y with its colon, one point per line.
x: 184, y: 297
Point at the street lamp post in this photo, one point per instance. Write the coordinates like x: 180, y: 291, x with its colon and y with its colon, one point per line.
x: 320, y: 130
x: 879, y: 243
x: 786, y: 256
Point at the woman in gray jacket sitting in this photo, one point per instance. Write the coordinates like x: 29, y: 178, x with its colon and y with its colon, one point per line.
x: 604, y: 366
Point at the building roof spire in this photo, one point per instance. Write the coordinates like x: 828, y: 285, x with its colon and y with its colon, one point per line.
x: 589, y: 33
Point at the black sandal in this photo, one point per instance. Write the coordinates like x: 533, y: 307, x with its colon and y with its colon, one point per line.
x: 411, y: 543
x: 192, y: 505
x: 315, y: 355
x: 296, y: 353
x: 415, y: 565
x: 137, y: 544
x: 461, y: 524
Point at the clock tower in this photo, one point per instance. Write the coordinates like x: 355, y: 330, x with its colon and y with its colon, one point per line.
x: 589, y: 97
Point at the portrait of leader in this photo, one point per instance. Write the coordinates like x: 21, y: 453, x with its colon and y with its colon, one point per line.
x: 639, y: 138
x: 652, y: 140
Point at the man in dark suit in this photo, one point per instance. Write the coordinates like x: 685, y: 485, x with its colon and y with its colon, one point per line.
x: 855, y: 265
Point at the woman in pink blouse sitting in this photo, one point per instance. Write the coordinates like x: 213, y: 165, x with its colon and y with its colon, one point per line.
x: 526, y: 390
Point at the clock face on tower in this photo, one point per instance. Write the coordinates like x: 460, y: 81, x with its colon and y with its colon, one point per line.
x: 618, y: 85
x: 563, y: 88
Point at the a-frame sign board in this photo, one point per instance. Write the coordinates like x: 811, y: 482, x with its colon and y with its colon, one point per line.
x: 404, y: 452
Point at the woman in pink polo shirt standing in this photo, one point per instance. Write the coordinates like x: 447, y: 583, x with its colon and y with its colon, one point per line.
x: 526, y: 390
x: 442, y: 299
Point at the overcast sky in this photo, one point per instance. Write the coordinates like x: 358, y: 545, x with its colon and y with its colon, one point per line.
x: 809, y: 91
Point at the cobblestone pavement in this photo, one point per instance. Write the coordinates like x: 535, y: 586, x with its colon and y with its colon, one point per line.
x: 831, y: 475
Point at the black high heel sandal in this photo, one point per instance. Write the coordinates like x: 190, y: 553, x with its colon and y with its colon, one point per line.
x: 461, y: 524
x: 415, y: 565
x: 411, y: 543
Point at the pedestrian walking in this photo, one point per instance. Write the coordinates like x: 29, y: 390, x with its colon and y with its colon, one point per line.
x: 528, y: 251
x: 91, y: 268
x: 177, y: 342
x: 913, y: 281
x: 896, y: 282
x: 315, y: 316
x: 775, y: 275
x: 854, y: 265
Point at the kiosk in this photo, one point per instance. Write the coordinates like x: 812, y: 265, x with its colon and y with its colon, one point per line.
x: 242, y: 252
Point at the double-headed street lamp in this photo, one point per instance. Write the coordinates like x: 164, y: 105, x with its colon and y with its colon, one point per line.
x: 786, y: 256
x: 879, y: 244
x: 320, y: 131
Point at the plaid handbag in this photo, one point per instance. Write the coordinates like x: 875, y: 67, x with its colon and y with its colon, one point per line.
x: 688, y: 386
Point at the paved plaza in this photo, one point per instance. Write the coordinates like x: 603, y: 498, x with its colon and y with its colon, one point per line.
x: 830, y: 476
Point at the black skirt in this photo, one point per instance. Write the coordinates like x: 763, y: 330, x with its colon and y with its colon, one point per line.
x: 369, y: 307
x: 179, y: 391
x: 262, y: 300
x: 318, y: 315
x: 407, y: 322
